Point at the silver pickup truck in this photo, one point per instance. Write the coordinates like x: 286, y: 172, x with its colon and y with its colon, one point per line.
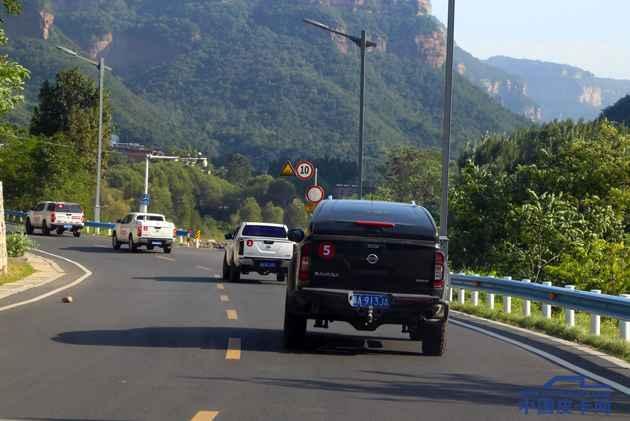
x: 257, y: 247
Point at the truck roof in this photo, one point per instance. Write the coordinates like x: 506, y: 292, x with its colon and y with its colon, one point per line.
x: 350, y: 217
x: 264, y: 224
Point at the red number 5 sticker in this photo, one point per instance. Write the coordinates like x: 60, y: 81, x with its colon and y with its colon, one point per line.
x: 326, y: 251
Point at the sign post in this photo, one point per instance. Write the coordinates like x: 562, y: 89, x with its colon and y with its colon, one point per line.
x: 4, y: 267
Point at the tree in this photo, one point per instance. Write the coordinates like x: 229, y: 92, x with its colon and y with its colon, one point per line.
x: 295, y: 215
x: 71, y: 106
x: 412, y: 174
x: 239, y: 169
x: 281, y: 192
x: 250, y: 211
x: 273, y: 214
x: 12, y: 75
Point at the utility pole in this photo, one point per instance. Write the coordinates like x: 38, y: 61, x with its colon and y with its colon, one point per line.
x: 363, y: 44
x: 446, y: 129
x: 97, y: 200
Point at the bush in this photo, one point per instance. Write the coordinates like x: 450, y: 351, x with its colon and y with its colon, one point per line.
x: 18, y: 244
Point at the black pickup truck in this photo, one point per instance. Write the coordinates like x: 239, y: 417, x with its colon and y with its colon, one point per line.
x: 368, y: 263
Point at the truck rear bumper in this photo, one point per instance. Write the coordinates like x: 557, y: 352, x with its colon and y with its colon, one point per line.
x: 255, y: 264
x: 70, y: 226
x: 334, y: 305
x: 157, y: 242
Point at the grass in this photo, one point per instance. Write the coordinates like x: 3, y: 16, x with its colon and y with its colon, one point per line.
x: 608, y: 342
x: 18, y: 269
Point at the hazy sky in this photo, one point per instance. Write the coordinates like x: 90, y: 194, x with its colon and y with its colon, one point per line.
x: 591, y: 34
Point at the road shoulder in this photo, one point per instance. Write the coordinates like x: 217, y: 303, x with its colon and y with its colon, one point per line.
x: 53, y: 274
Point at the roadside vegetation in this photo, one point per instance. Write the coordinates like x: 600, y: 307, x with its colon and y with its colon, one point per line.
x: 608, y: 342
x: 18, y: 269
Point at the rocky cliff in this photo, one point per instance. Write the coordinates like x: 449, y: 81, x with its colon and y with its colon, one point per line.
x: 564, y: 91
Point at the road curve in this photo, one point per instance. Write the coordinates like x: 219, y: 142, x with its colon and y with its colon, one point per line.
x: 157, y: 337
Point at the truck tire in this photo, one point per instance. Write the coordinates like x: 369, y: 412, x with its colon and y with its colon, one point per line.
x: 28, y: 228
x: 115, y: 242
x: 60, y: 231
x: 235, y: 273
x: 167, y: 249
x: 294, y: 330
x: 76, y: 233
x: 281, y: 276
x: 226, y: 268
x: 45, y: 229
x: 434, y: 339
x: 133, y: 247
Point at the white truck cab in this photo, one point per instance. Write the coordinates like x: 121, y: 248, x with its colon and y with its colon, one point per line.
x: 144, y: 229
x: 55, y: 216
x: 257, y: 247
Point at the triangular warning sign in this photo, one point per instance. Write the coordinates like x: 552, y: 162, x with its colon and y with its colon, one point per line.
x: 287, y: 170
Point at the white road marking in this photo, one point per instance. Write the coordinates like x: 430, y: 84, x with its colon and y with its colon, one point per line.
x: 204, y: 268
x: 86, y: 274
x: 168, y: 259
x: 559, y: 361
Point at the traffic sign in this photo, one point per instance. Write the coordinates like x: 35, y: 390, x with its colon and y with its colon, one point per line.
x: 146, y: 199
x: 304, y: 170
x: 315, y: 194
x: 287, y: 170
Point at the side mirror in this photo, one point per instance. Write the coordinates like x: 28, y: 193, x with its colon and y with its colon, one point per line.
x: 296, y: 235
x: 229, y: 236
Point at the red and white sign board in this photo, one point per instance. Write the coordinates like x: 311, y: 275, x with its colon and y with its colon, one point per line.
x: 304, y: 170
x: 315, y: 194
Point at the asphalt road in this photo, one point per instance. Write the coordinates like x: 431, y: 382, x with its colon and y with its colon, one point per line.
x: 159, y: 337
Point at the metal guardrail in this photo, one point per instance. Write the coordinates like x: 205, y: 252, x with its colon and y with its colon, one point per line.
x: 595, y: 303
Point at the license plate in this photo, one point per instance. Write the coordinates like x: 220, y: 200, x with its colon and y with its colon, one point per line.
x: 368, y: 300
x: 267, y: 264
x: 157, y: 243
x: 67, y: 226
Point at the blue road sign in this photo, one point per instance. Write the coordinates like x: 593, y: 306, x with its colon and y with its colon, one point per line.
x: 145, y: 199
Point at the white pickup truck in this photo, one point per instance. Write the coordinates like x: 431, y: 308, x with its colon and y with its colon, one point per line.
x: 257, y: 247
x: 144, y: 229
x: 55, y: 216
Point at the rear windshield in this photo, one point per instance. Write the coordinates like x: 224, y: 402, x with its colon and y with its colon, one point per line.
x: 264, y: 231
x: 66, y: 207
x: 150, y: 218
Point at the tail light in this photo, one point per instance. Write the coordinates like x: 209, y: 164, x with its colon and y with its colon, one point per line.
x: 438, y: 279
x: 53, y: 217
x: 304, y: 271
x: 375, y: 224
x: 145, y: 228
x: 139, y: 230
x: 241, y: 247
x: 250, y: 243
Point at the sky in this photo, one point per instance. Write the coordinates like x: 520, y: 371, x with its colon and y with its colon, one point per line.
x: 591, y: 34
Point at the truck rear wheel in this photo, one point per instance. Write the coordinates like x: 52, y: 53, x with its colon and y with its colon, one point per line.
x: 132, y: 246
x: 235, y: 273
x: 434, y: 339
x: 45, y: 229
x: 226, y: 268
x: 294, y: 330
x: 167, y: 249
x: 28, y: 228
x: 115, y: 242
x: 280, y: 276
x: 76, y: 233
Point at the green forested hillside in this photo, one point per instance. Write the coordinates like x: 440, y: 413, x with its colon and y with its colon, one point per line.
x: 619, y: 112
x: 248, y: 76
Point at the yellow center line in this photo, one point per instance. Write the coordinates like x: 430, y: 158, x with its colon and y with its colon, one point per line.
x: 233, y: 349
x: 231, y: 314
x: 225, y: 298
x: 220, y: 286
x: 205, y: 416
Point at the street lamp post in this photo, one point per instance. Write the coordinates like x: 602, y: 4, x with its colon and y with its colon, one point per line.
x: 363, y: 44
x: 446, y: 128
x: 144, y: 206
x: 100, y: 65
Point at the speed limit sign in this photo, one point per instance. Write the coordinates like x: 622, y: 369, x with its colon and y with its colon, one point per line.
x: 304, y: 170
